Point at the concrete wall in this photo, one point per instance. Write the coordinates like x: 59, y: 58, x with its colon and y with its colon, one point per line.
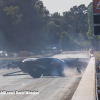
x: 86, y: 88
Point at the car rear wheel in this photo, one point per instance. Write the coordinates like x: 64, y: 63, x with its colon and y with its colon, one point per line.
x: 35, y: 74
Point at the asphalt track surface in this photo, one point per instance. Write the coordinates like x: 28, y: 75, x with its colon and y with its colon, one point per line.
x: 48, y: 87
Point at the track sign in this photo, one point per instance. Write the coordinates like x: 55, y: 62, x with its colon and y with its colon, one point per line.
x: 96, y: 6
x: 96, y: 16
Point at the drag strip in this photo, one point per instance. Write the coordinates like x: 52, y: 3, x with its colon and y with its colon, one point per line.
x: 48, y: 87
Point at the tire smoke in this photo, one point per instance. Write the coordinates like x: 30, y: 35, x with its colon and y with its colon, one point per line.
x: 73, y: 72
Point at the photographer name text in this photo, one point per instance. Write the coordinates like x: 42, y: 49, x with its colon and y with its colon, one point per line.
x: 19, y: 92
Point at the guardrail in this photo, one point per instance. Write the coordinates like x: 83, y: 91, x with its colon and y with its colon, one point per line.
x: 86, y: 89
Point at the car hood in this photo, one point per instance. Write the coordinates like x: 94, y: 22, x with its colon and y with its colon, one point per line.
x: 29, y: 59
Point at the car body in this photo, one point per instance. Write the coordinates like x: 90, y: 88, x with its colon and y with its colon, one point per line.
x: 46, y: 66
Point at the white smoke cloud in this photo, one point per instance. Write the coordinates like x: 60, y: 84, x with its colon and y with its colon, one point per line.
x: 73, y: 72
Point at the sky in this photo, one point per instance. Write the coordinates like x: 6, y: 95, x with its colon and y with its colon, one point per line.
x: 63, y: 5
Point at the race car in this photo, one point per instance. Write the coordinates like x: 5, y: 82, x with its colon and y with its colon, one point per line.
x: 35, y: 67
x: 45, y: 66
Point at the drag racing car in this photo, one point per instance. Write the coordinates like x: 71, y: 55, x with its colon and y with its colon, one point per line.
x: 45, y: 66
x: 35, y: 67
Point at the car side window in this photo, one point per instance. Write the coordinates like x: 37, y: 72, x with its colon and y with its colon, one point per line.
x: 44, y: 61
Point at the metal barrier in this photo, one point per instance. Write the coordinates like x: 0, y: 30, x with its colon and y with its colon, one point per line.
x: 86, y: 89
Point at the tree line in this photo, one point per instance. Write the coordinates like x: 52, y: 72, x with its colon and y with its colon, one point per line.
x: 27, y: 25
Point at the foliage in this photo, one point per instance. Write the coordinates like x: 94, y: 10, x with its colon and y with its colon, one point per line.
x: 28, y: 25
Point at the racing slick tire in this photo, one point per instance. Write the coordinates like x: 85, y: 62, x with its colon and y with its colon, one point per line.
x: 36, y: 74
x: 61, y: 73
x: 56, y: 72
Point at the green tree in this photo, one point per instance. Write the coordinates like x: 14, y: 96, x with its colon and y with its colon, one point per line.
x: 90, y: 32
